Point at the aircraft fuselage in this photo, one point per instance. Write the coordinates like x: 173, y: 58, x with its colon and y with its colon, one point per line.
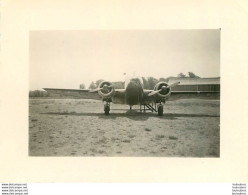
x: 134, y: 92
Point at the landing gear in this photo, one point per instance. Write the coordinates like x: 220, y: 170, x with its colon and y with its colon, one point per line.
x: 107, y: 108
x: 160, y: 110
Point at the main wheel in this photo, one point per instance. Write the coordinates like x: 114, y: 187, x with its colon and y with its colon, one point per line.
x: 106, y: 109
x: 160, y: 110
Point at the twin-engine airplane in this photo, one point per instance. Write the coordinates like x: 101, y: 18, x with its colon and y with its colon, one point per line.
x: 133, y: 94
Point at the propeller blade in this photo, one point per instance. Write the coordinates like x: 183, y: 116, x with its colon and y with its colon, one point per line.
x: 163, y: 88
x: 95, y: 90
x: 154, y: 92
x: 103, y: 87
x: 173, y: 84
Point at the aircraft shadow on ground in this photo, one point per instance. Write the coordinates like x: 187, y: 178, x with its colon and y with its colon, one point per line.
x: 133, y: 115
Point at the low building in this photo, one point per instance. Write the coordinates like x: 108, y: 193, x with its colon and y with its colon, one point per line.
x: 196, y: 84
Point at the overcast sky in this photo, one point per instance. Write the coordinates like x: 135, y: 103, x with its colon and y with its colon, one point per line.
x: 65, y: 59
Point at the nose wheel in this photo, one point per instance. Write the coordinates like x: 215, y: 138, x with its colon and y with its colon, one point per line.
x: 160, y: 110
x: 107, y: 108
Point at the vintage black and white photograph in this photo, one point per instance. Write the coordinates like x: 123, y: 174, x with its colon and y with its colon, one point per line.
x: 124, y: 93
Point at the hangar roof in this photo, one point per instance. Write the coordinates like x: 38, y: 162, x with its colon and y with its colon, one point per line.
x: 195, y: 81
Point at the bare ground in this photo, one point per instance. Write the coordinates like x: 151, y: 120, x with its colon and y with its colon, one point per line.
x: 65, y: 127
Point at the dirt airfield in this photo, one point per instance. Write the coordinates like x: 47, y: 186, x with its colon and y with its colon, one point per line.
x: 67, y: 127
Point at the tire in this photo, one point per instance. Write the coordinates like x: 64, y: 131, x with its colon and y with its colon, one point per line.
x: 160, y: 110
x: 106, y: 109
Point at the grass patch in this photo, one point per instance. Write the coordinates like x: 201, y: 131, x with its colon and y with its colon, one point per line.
x: 126, y: 141
x: 173, y: 137
x: 101, y: 151
x: 102, y: 141
x: 131, y: 136
x: 158, y: 137
x: 147, y: 129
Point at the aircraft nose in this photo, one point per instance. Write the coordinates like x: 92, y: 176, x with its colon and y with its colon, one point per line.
x: 133, y: 93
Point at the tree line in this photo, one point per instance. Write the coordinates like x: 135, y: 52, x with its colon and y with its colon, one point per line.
x: 38, y: 93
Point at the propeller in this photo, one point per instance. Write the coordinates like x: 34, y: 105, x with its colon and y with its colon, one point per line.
x: 163, y: 88
x: 154, y: 92
x: 104, y: 87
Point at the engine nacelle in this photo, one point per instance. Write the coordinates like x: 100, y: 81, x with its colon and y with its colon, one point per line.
x: 165, y: 92
x: 107, y: 90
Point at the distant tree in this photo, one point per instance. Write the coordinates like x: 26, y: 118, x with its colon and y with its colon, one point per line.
x: 92, y: 85
x: 168, y: 78
x: 82, y: 86
x: 145, y: 83
x: 161, y: 79
x: 118, y: 85
x: 151, y: 82
x: 38, y: 93
x: 164, y: 79
x: 98, y: 82
x: 181, y: 75
x: 192, y: 75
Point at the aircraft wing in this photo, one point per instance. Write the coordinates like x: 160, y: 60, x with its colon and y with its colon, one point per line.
x: 73, y: 93
x: 82, y: 93
x: 175, y: 95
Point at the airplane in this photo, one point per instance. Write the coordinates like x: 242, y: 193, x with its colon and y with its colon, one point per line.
x: 132, y: 94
